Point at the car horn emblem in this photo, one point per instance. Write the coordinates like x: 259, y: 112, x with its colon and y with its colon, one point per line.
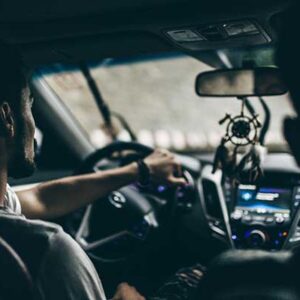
x: 117, y: 199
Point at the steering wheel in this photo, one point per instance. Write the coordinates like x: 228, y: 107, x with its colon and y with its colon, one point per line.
x: 89, y: 163
x: 130, y: 217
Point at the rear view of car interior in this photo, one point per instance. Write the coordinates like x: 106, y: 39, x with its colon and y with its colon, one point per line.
x: 112, y: 81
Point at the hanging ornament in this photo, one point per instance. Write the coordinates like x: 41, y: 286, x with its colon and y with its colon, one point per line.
x: 241, y: 131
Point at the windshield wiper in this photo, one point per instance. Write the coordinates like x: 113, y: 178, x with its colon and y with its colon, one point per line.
x: 103, y: 106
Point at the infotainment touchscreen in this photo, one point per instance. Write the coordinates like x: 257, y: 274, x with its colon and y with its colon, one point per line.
x: 267, y: 198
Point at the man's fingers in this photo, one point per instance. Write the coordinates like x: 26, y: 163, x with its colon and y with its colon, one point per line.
x: 161, y: 151
x: 164, y: 152
x: 178, y: 168
x: 176, y: 180
x: 165, y: 167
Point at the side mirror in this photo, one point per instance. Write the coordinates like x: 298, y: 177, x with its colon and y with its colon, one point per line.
x: 241, y: 83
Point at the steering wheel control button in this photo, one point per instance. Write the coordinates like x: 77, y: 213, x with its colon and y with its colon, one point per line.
x: 117, y: 199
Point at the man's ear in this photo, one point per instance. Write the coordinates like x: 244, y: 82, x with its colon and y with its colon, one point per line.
x: 7, y: 124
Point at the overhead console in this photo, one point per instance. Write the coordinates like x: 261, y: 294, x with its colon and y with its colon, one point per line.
x: 235, y: 33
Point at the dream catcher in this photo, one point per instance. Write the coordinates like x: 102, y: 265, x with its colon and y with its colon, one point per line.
x: 241, y: 131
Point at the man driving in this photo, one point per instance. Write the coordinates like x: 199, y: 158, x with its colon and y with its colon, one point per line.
x: 60, y: 268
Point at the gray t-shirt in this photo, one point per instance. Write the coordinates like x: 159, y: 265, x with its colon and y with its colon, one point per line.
x: 60, y: 268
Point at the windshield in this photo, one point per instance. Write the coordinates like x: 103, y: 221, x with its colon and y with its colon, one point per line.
x: 157, y: 97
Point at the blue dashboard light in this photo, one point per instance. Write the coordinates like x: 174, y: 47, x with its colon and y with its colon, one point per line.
x: 161, y: 188
x: 234, y: 237
x: 247, y: 234
x: 247, y: 196
x: 276, y: 242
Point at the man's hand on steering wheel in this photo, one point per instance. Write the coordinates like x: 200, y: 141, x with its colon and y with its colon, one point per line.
x: 164, y: 168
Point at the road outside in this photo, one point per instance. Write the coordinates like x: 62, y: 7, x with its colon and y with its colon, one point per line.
x: 158, y: 100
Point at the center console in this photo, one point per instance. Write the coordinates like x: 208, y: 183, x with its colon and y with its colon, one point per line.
x: 262, y: 214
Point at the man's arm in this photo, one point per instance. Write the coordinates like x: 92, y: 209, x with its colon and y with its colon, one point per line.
x: 59, y: 197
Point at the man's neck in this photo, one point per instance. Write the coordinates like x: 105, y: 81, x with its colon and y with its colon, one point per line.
x: 3, y: 183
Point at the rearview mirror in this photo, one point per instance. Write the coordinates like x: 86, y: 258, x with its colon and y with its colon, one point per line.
x: 241, y: 83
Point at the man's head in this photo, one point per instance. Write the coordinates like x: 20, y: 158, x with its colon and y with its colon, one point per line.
x: 16, y: 120
x: 288, y: 59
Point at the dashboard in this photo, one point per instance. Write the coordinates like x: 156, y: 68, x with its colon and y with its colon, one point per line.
x: 261, y: 215
x: 137, y: 229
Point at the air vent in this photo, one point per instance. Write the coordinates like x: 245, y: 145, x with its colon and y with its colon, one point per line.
x: 212, y: 202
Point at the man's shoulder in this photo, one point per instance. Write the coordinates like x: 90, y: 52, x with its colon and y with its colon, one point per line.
x: 30, y: 239
x: 59, y: 265
x: 18, y: 224
x: 67, y: 268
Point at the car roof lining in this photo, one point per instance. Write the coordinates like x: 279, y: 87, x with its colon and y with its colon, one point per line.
x: 51, y: 31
